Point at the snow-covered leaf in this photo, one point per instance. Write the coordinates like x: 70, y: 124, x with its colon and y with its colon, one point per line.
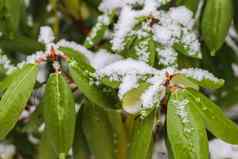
x: 99, y: 30
x: 216, y: 21
x: 78, y: 57
x: 184, y: 82
x: 215, y: 120
x: 131, y: 102
x: 59, y: 114
x: 183, y: 49
x: 186, y: 131
x: 15, y: 98
x: 202, y: 78
x: 89, y: 89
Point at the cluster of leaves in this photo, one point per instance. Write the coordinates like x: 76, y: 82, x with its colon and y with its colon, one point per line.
x: 93, y: 122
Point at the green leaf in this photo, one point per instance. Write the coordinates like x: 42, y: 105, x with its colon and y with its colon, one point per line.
x: 203, y: 78
x: 215, y: 120
x: 45, y: 149
x: 141, y: 138
x: 10, y: 16
x: 184, y: 82
x: 236, y: 14
x: 15, y: 98
x: 181, y: 48
x: 185, y: 129
x: 99, y: 30
x: 131, y: 101
x: 73, y: 7
x: 119, y: 133
x: 80, y: 146
x: 110, y: 83
x: 21, y: 44
x: 80, y: 58
x: 216, y: 21
x: 94, y: 94
x: 6, y: 82
x: 59, y: 113
x: 98, y: 131
x: 190, y: 4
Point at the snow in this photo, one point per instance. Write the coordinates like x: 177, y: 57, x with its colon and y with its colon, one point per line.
x: 108, y: 5
x: 181, y: 110
x: 87, y: 53
x: 103, y: 20
x: 125, y: 24
x: 153, y: 95
x: 182, y: 15
x: 7, y: 151
x: 176, y: 26
x: 46, y: 35
x: 167, y: 57
x: 103, y: 58
x: 119, y: 69
x: 128, y: 83
x: 199, y: 74
x: 163, y: 35
x: 220, y: 150
x: 142, y: 50
x: 235, y: 69
x: 128, y: 18
x: 5, y: 62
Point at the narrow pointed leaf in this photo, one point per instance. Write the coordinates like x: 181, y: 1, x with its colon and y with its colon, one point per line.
x: 202, y: 78
x: 131, y: 102
x: 21, y: 44
x: 80, y: 58
x: 93, y: 93
x: 141, y: 138
x: 184, y: 82
x: 6, y: 82
x: 215, y: 120
x: 15, y: 98
x: 10, y: 16
x: 80, y: 146
x: 99, y: 30
x: 59, y: 113
x: 181, y: 48
x: 216, y: 21
x: 185, y: 129
x: 98, y: 132
x: 119, y: 134
x: 45, y: 149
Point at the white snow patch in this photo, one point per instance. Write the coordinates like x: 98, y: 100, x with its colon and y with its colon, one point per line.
x: 152, y: 96
x: 199, y: 74
x: 119, y: 69
x: 128, y: 83
x: 46, y: 35
x: 167, y: 56
x: 7, y: 151
x: 87, y: 53
x: 103, y: 58
x: 221, y: 150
